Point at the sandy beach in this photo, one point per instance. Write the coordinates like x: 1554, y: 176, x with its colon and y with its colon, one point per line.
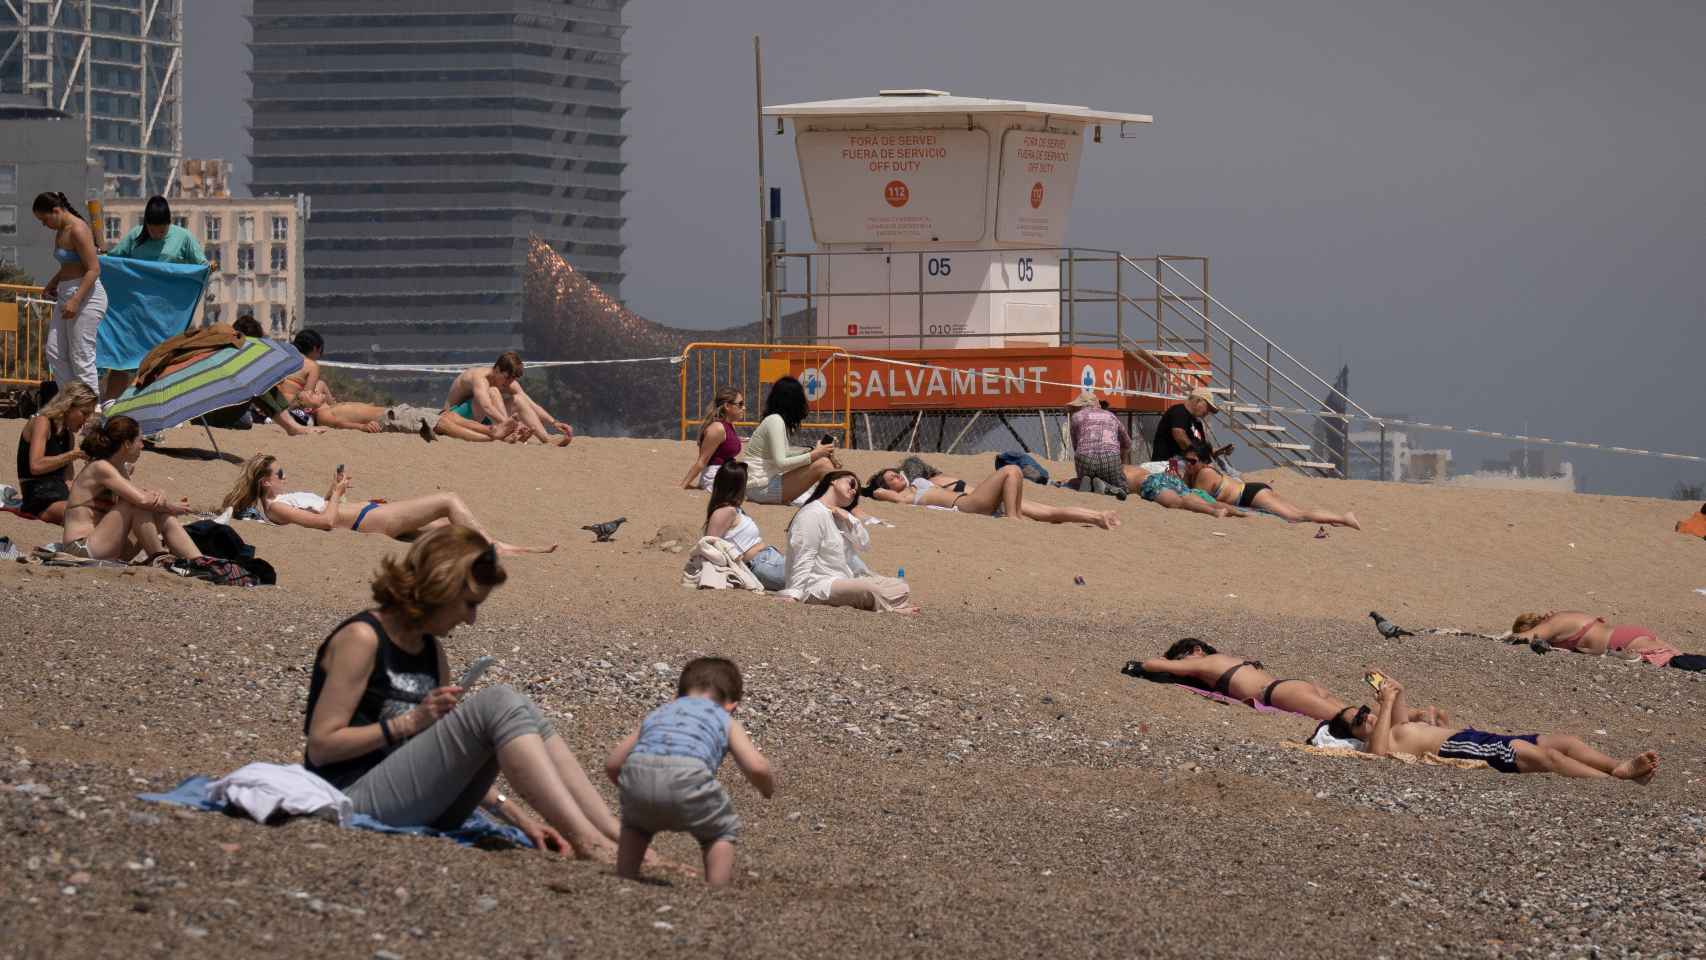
x: 977, y: 780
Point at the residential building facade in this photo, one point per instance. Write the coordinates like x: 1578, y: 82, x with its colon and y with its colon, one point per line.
x: 256, y: 246
x: 434, y: 139
x: 115, y: 64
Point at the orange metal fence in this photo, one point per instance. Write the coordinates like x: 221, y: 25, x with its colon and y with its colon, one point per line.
x: 751, y: 368
x: 23, y: 335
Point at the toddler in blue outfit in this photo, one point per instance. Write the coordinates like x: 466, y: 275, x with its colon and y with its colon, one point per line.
x: 667, y: 770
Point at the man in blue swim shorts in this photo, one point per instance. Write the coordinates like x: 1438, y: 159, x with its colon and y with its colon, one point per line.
x: 1525, y: 753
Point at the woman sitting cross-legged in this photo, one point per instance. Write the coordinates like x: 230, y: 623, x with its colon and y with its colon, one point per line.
x: 261, y: 488
x: 48, y: 453
x: 824, y: 543
x: 386, y: 725
x: 724, y: 518
x: 1002, y: 495
x: 107, y: 517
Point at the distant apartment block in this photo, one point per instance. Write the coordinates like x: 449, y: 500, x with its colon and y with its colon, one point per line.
x: 256, y: 246
x: 433, y: 139
x: 116, y: 65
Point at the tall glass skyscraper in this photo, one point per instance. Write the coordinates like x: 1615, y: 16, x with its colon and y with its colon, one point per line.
x: 115, y: 64
x: 432, y: 140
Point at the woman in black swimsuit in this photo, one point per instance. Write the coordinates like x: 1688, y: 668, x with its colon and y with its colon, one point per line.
x: 1192, y: 661
x: 48, y: 453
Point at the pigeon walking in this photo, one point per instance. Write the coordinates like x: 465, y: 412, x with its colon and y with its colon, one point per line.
x: 1387, y: 628
x: 602, y: 532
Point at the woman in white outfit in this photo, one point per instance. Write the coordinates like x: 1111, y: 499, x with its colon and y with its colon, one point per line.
x: 773, y: 474
x: 80, y: 299
x: 824, y: 542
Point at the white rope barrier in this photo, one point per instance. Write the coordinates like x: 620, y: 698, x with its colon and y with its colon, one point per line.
x: 1245, y: 406
x: 454, y: 368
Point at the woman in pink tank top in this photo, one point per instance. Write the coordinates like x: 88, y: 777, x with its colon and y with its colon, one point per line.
x: 718, y: 442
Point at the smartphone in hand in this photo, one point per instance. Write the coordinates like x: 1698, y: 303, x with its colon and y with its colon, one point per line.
x: 1375, y: 679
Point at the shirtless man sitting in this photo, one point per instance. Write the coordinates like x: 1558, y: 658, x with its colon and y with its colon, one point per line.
x: 487, y: 403
x: 1525, y: 753
x: 1200, y: 665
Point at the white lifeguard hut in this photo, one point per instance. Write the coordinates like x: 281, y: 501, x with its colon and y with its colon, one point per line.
x: 938, y: 218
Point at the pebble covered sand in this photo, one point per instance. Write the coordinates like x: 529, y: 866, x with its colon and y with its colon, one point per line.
x: 978, y: 780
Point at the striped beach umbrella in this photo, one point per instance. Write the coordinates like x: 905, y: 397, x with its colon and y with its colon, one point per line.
x: 201, y: 384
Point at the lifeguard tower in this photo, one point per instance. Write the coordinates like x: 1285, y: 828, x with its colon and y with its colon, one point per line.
x: 940, y: 268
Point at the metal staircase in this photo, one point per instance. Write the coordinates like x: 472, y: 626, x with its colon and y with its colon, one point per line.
x: 1168, y: 321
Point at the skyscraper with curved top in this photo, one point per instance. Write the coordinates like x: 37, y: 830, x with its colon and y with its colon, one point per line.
x: 433, y: 138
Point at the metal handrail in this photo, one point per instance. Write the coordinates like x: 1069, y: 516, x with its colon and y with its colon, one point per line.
x: 1341, y: 429
x: 1269, y: 341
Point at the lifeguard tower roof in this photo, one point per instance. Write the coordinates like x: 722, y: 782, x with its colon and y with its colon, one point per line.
x: 914, y: 102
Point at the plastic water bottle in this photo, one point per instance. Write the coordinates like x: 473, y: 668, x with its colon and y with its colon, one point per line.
x: 901, y: 573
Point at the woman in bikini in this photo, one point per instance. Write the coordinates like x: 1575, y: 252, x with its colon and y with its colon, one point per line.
x: 48, y: 454
x: 1197, y: 663
x: 107, y: 517
x: 80, y: 301
x: 261, y: 488
x: 1581, y: 632
x: 1002, y: 495
x: 1241, y: 493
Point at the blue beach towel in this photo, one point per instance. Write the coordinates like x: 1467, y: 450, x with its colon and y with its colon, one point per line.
x: 147, y: 304
x: 193, y: 793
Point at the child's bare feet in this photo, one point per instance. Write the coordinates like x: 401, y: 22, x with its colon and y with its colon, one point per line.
x: 1639, y: 769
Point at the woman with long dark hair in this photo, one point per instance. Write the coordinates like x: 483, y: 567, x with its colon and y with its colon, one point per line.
x: 724, y: 518
x: 48, y: 454
x: 773, y: 474
x: 80, y: 300
x: 107, y: 517
x: 718, y: 442
x: 824, y: 543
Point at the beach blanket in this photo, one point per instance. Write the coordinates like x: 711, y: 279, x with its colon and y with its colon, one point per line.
x: 197, y: 794
x: 147, y: 303
x: 1427, y: 759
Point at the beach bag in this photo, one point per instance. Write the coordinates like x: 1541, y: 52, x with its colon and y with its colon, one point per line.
x: 220, y: 573
x: 1026, y: 463
x: 715, y: 564
x: 218, y: 540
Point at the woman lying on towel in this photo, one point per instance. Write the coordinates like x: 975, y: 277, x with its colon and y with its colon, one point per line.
x: 107, y: 517
x: 1200, y: 665
x: 1171, y: 490
x: 1002, y: 495
x: 1200, y: 473
x: 261, y: 489
x: 388, y: 726
x: 1581, y: 632
x: 48, y: 453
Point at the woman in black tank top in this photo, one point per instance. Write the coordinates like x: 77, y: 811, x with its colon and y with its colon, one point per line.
x: 387, y: 725
x: 47, y: 452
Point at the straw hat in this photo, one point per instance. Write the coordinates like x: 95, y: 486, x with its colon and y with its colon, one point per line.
x: 1203, y: 394
x: 1086, y: 399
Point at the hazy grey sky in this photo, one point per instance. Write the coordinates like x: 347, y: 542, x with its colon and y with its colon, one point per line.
x: 1492, y: 212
